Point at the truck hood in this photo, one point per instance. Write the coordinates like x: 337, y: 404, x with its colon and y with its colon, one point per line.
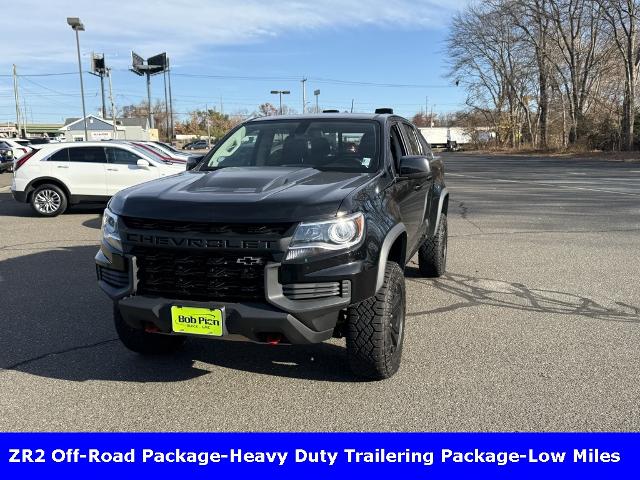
x: 244, y: 194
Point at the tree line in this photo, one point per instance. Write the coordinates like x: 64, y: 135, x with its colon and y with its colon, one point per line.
x: 549, y: 73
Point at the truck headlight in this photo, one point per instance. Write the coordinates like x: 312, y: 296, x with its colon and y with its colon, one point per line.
x: 110, y: 233
x: 311, y: 238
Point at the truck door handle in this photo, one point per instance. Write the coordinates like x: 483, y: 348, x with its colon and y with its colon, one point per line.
x: 112, y: 169
x: 63, y: 166
x: 417, y: 187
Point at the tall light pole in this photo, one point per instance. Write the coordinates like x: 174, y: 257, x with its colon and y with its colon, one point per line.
x: 304, y: 95
x: 113, y: 107
x: 77, y: 26
x: 317, y: 94
x: 280, y: 93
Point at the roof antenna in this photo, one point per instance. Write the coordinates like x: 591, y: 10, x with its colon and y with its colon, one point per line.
x: 352, y: 105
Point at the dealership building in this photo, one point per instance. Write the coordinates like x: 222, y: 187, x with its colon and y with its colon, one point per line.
x: 103, y: 129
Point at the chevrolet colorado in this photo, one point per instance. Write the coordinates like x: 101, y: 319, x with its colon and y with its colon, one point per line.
x: 291, y: 230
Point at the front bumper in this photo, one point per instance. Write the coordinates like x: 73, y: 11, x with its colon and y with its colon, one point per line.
x: 253, y: 321
x: 295, y: 320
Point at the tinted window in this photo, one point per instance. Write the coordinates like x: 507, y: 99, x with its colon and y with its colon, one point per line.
x: 425, y: 145
x: 397, y: 149
x: 410, y: 136
x: 60, y: 156
x: 121, y: 156
x: 87, y: 155
x: 4, y: 145
x: 332, y: 145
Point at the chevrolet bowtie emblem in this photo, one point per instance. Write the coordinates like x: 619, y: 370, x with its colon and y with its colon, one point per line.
x: 250, y: 261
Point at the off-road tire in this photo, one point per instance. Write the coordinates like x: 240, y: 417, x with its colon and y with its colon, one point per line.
x: 48, y: 200
x: 375, y: 328
x: 142, y: 342
x: 432, y: 255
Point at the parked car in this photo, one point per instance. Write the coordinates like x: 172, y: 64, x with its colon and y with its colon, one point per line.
x: 170, y: 150
x: 62, y: 174
x: 198, y: 145
x: 39, y: 140
x: 19, y: 146
x: 6, y: 160
x: 162, y: 151
x: 291, y: 245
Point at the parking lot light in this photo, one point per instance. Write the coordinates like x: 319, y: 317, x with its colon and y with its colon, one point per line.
x: 78, y: 26
x: 280, y: 93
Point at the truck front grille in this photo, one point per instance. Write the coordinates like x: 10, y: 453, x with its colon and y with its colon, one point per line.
x: 202, y: 276
x: 271, y: 229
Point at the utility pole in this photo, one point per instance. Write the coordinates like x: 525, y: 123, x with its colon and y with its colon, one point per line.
x: 206, y: 108
x: 113, y: 106
x: 104, y: 108
x: 17, y: 97
x: 304, y: 95
x: 166, y: 106
x: 170, y: 99
x: 151, y: 123
x: 352, y: 104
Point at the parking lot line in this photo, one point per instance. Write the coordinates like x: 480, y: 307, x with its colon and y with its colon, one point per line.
x: 544, y: 184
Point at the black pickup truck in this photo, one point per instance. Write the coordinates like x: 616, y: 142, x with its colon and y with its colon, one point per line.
x: 292, y: 230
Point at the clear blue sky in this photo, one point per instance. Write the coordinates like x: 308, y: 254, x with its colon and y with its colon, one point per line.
x: 256, y: 46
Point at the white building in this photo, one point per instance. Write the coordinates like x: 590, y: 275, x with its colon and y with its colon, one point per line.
x: 102, y: 129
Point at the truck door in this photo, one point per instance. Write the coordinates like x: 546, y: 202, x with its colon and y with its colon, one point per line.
x: 422, y: 186
x: 407, y: 192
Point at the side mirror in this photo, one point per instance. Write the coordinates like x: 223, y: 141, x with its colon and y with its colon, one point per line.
x: 142, y: 163
x: 414, y: 166
x: 192, y: 162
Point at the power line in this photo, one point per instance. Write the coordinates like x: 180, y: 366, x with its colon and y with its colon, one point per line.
x: 373, y: 84
x: 42, y: 74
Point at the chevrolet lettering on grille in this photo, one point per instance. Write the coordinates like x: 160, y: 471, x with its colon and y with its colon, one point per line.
x: 166, y: 241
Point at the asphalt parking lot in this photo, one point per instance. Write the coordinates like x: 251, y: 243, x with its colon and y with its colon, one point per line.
x: 535, y: 327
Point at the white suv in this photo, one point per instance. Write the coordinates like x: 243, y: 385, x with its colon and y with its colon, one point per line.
x: 57, y: 175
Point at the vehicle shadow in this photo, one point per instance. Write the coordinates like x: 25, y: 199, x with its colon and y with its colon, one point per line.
x: 11, y: 208
x: 476, y: 291
x: 56, y: 323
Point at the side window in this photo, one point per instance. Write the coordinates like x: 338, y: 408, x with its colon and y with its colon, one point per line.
x: 397, y: 148
x: 425, y: 145
x: 87, y: 155
x: 121, y: 156
x: 410, y: 136
x: 60, y: 156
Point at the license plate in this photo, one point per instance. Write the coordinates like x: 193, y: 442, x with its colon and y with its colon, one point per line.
x: 197, y: 321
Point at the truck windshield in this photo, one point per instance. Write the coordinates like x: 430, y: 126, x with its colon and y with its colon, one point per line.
x: 340, y: 145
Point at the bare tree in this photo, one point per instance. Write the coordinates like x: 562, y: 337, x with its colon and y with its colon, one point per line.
x: 487, y: 54
x: 530, y: 17
x: 622, y: 18
x: 577, y: 34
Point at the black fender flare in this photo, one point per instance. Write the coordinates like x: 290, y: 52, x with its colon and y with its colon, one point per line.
x: 392, y: 235
x: 435, y: 216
